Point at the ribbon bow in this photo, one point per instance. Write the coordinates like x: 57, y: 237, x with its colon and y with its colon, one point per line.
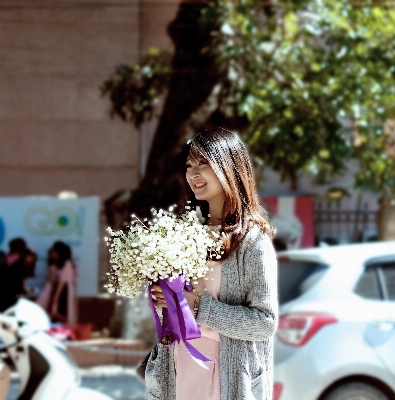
x: 178, y: 321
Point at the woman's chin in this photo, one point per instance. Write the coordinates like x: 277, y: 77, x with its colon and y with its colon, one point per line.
x: 200, y: 196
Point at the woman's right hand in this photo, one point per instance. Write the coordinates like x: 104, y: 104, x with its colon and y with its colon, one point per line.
x: 157, y: 296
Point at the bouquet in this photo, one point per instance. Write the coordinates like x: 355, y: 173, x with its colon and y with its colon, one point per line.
x: 172, y: 251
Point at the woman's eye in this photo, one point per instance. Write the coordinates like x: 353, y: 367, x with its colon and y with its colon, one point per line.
x: 188, y: 166
x: 202, y: 162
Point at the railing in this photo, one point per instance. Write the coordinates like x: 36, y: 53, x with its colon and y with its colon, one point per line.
x: 335, y: 225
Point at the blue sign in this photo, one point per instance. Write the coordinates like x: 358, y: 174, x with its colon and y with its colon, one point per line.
x: 41, y: 221
x: 2, y: 231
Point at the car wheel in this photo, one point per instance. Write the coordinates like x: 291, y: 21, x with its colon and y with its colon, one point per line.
x: 356, y: 391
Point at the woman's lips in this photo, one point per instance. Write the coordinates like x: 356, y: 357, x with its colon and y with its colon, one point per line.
x: 199, y: 185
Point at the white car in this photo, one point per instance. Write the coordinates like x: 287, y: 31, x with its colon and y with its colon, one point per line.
x: 336, y: 333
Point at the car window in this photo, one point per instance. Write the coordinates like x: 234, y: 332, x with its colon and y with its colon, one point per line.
x: 389, y: 279
x: 368, y: 284
x: 377, y: 282
x: 297, y: 277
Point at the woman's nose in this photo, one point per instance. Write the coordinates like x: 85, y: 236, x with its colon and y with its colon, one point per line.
x: 194, y: 172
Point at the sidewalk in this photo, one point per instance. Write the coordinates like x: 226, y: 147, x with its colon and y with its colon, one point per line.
x: 117, y: 381
x: 108, y: 351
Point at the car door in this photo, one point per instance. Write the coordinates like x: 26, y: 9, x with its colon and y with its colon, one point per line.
x: 380, y: 331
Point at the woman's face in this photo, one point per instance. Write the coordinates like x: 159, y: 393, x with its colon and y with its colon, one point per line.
x: 53, y: 257
x: 203, y: 181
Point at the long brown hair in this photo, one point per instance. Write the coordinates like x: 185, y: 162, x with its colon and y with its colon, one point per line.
x: 229, y: 159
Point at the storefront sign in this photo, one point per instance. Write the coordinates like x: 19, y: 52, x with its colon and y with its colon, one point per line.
x: 41, y: 221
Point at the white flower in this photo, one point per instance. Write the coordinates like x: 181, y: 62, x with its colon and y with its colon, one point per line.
x: 171, y: 246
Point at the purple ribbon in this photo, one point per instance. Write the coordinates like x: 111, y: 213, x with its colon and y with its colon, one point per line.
x: 178, y: 320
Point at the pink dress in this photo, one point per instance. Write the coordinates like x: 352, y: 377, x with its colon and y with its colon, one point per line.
x: 192, y: 381
x: 54, y: 278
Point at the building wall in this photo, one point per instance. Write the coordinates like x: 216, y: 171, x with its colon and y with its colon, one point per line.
x: 54, y: 126
x: 55, y: 130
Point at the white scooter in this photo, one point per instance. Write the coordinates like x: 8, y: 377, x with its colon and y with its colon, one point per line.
x: 47, y: 371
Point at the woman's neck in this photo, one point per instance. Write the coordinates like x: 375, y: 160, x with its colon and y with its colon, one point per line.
x: 215, y: 212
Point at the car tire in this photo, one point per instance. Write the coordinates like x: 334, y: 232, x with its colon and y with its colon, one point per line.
x: 356, y: 391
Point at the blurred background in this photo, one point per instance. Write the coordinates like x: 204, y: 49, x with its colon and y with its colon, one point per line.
x: 97, y: 98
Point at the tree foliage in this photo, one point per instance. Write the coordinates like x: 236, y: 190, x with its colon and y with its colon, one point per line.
x: 314, y: 79
x: 189, y: 80
x: 134, y: 91
x: 375, y: 150
x: 301, y: 72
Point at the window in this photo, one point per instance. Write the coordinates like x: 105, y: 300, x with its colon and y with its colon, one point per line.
x: 377, y: 281
x: 388, y: 271
x: 297, y: 277
x: 368, y: 285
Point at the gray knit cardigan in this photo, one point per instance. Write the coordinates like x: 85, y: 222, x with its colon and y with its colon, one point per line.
x: 245, y: 317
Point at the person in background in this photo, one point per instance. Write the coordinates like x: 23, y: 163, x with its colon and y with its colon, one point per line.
x: 15, y: 267
x: 29, y: 263
x: 279, y: 244
x: 58, y: 294
x: 3, y: 273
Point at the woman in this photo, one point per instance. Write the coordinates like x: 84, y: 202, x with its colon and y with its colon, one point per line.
x: 58, y: 294
x: 237, y: 311
x: 15, y: 267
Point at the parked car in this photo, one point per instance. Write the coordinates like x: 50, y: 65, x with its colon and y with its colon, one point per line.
x: 336, y: 333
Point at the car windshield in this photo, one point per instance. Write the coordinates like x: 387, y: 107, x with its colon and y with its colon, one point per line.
x: 296, y: 277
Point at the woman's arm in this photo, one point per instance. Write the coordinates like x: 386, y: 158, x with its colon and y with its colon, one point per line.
x: 65, y: 276
x: 55, y: 302
x: 257, y: 320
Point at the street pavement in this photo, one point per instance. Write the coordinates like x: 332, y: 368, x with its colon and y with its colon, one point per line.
x: 117, y: 382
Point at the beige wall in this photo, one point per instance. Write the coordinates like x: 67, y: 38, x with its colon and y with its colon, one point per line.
x: 55, y: 131
x: 54, y: 127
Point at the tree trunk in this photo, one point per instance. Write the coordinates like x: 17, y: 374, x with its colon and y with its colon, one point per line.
x: 191, y: 100
x: 294, y: 183
x: 386, y: 220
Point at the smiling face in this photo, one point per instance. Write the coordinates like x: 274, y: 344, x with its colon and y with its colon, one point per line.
x: 204, y: 182
x: 220, y: 181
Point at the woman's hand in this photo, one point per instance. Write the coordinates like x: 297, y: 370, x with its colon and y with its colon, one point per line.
x: 157, y: 296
